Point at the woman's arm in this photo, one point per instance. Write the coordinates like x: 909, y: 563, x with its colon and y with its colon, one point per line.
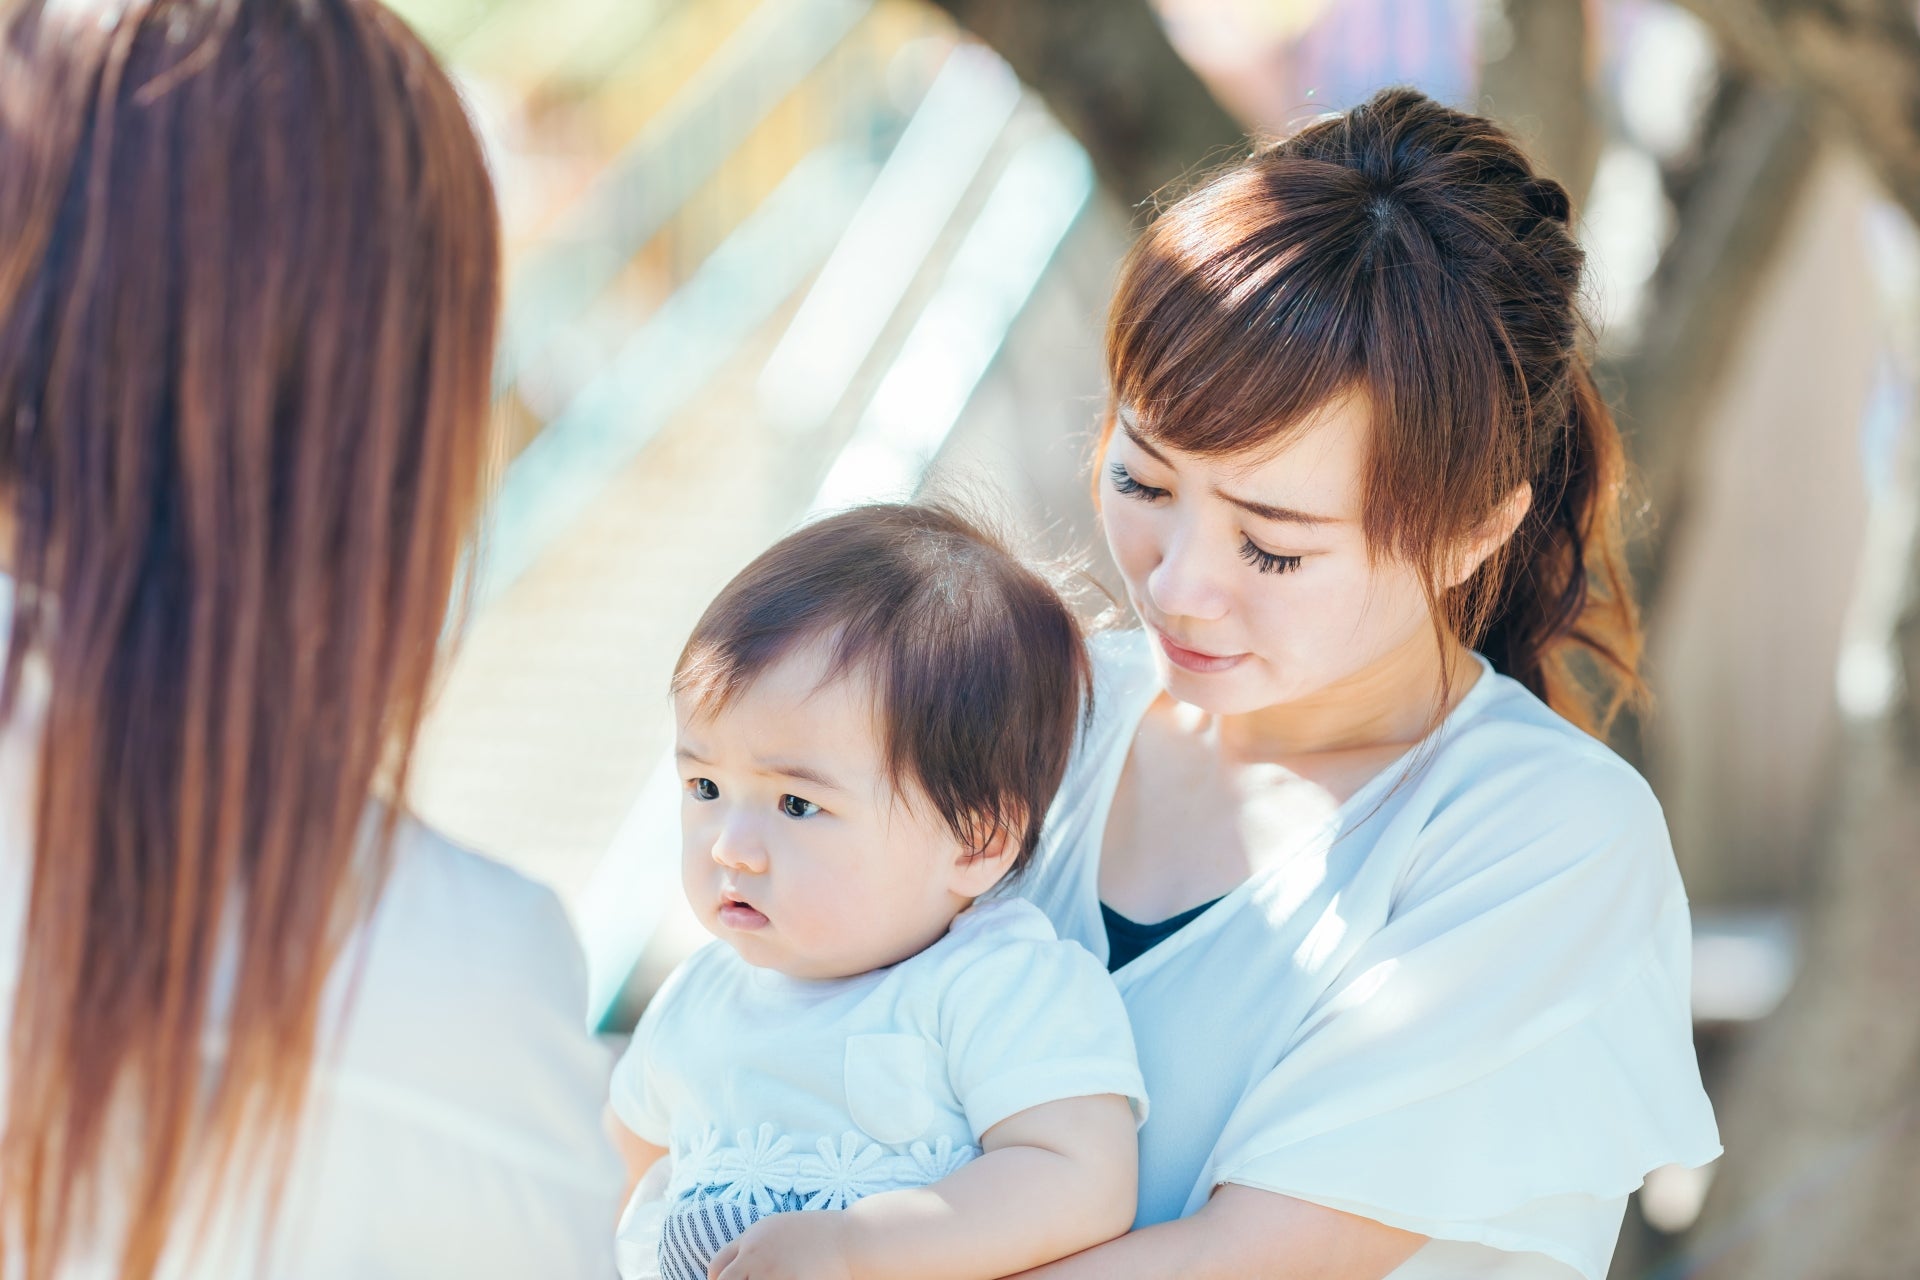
x: 1244, y: 1232
x: 1052, y: 1180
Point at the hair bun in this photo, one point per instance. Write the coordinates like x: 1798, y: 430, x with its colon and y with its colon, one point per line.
x: 1548, y: 199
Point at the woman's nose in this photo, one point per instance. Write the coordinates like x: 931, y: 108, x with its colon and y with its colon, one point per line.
x: 738, y: 846
x: 1186, y: 583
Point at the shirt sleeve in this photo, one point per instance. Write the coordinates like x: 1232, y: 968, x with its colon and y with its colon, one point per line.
x: 1511, y: 1053
x: 1030, y: 1020
x: 633, y: 1099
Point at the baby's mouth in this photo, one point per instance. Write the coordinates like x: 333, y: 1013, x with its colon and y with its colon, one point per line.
x: 738, y: 913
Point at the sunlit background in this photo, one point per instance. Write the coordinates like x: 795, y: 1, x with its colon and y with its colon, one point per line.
x: 772, y: 256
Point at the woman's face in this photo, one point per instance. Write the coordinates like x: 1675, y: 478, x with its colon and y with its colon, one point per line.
x: 1254, y: 575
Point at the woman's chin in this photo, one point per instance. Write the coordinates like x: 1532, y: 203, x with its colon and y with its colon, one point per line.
x: 1221, y: 693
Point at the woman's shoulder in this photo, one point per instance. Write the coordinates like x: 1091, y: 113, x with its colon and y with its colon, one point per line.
x: 1512, y: 748
x: 1512, y: 784
x: 467, y: 978
x: 453, y: 905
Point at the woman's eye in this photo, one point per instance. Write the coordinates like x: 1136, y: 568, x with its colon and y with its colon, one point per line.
x: 1266, y: 561
x: 795, y: 807
x: 1123, y: 482
x: 703, y: 789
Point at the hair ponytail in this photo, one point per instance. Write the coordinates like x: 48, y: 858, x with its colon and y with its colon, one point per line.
x: 1564, y: 589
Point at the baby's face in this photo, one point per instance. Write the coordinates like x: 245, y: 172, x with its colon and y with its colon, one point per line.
x: 795, y: 850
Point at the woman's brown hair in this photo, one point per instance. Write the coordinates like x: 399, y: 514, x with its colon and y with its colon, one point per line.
x: 248, y: 289
x: 1407, y: 252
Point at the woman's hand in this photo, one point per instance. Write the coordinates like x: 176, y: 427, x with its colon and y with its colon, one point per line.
x: 813, y: 1245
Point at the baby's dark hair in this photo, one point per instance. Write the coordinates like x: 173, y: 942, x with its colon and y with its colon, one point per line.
x: 979, y: 669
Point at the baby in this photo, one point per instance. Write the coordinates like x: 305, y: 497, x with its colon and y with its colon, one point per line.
x: 881, y: 1068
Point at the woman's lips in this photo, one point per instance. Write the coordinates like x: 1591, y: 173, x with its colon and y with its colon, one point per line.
x: 1193, y: 659
x: 738, y: 915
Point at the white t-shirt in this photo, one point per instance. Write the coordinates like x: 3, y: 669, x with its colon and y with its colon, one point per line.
x: 761, y: 1085
x: 1460, y: 1008
x: 454, y: 1127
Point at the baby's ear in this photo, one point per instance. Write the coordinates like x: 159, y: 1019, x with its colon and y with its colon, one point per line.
x: 978, y: 870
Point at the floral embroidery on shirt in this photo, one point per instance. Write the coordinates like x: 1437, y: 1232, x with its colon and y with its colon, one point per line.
x: 848, y: 1174
x: 942, y: 1158
x: 700, y: 1150
x: 760, y: 1167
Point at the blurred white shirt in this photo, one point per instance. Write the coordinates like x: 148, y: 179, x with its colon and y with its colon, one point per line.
x: 454, y: 1126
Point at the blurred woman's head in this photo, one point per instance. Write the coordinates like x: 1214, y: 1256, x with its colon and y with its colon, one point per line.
x: 248, y: 289
x: 1350, y: 417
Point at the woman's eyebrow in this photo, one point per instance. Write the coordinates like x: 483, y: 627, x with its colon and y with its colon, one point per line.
x: 1139, y: 441
x: 1267, y: 511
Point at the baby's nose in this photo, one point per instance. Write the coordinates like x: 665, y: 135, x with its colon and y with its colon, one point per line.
x: 738, y: 846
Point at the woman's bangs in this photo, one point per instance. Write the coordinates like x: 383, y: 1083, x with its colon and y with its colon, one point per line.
x: 1190, y: 297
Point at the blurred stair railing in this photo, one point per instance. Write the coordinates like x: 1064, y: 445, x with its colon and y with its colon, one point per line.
x: 675, y: 353
x: 667, y: 362
x: 682, y: 147
x: 889, y: 239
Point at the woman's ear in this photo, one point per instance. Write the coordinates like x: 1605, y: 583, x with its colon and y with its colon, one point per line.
x: 1491, y: 535
x: 978, y: 870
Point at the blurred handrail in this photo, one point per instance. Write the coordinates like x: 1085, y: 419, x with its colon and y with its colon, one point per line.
x: 886, y: 245
x: 678, y: 149
x: 666, y: 361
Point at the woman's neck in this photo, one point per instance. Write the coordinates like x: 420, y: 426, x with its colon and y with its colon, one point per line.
x: 1387, y: 706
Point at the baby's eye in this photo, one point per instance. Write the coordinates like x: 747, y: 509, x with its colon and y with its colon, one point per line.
x: 795, y: 807
x: 703, y: 789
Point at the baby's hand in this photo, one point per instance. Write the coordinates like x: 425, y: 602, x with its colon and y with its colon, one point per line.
x: 803, y: 1245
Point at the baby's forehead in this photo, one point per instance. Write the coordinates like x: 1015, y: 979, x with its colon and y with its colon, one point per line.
x: 811, y: 679
x: 799, y: 710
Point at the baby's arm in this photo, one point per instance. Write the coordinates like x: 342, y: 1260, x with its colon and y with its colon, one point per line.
x: 636, y: 1152
x: 1052, y: 1180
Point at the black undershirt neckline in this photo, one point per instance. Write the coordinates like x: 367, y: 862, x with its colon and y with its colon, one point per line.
x: 1128, y: 940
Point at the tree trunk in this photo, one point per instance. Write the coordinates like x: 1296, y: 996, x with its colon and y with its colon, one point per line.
x: 1732, y: 211
x: 1858, y: 61
x: 1541, y: 88
x: 1819, y: 1118
x: 1819, y: 1113
x: 1108, y: 73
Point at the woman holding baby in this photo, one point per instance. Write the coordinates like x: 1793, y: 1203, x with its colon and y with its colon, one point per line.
x: 1401, y: 945
x: 1417, y: 1003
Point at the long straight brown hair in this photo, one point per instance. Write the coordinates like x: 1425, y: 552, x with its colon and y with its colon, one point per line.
x: 248, y: 289
x: 1408, y: 252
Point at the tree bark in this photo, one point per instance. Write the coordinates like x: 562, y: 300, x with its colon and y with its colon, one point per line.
x: 1858, y: 61
x: 1819, y: 1112
x: 1819, y: 1115
x: 1733, y: 209
x: 1108, y: 73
